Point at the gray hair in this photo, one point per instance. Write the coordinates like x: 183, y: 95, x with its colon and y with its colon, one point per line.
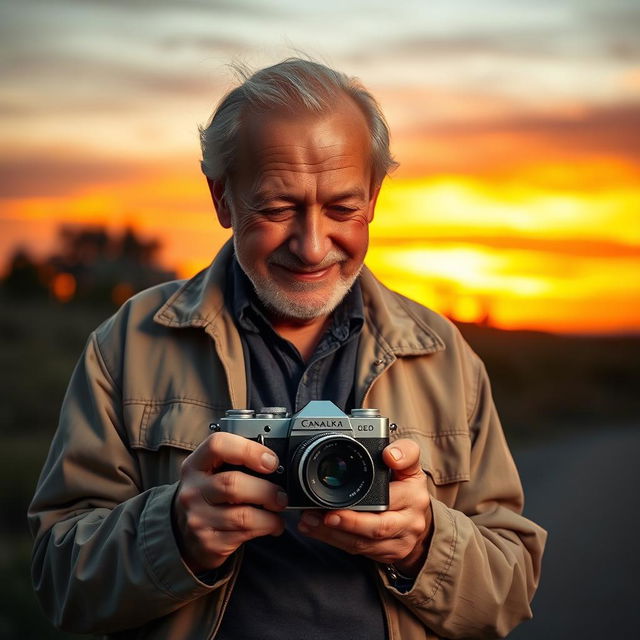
x: 292, y: 83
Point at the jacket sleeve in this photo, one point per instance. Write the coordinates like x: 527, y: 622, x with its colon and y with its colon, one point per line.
x: 483, y: 564
x: 105, y: 557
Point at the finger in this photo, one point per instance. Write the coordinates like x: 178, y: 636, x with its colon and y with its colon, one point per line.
x: 386, y: 550
x: 249, y: 522
x: 407, y: 494
x: 220, y: 448
x: 226, y: 542
x: 235, y: 487
x: 243, y: 519
x: 374, y: 526
x: 214, y: 542
x: 403, y: 457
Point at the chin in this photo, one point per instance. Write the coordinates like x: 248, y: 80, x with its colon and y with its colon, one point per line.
x: 295, y: 304
x: 299, y: 300
x: 300, y: 307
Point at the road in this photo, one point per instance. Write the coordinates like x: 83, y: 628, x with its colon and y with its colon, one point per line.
x: 583, y: 488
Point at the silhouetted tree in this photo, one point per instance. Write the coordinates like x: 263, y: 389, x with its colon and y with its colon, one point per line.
x: 95, y: 267
x: 24, y: 277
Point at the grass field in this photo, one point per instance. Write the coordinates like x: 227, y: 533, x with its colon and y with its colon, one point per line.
x: 40, y: 343
x: 543, y: 385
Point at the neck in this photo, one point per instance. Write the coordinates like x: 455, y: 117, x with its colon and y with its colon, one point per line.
x: 303, y: 334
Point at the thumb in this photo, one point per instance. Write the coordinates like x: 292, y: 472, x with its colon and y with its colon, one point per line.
x: 403, y: 458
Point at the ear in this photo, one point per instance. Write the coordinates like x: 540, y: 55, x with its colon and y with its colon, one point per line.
x: 375, y: 192
x: 217, y: 188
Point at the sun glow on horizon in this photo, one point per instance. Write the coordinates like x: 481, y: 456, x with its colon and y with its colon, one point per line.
x: 471, y: 205
x: 513, y: 255
x: 506, y: 253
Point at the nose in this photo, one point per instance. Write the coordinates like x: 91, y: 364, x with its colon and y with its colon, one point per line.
x: 310, y: 241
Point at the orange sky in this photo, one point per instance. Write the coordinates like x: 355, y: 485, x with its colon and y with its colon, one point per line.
x: 526, y: 257
x: 518, y: 196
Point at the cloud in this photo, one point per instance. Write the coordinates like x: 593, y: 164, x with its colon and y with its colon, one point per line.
x: 60, y: 177
x: 510, y: 142
x: 559, y: 29
x: 514, y: 42
x: 617, y: 24
x: 570, y: 246
x: 241, y: 7
x: 470, y: 87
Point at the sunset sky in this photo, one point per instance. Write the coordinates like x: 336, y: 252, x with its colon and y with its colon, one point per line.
x: 516, y: 125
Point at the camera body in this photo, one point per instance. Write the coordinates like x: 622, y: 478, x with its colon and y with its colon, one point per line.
x: 328, y: 460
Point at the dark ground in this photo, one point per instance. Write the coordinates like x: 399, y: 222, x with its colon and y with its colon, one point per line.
x: 583, y: 489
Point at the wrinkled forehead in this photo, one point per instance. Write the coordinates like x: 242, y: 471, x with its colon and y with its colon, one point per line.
x: 278, y: 138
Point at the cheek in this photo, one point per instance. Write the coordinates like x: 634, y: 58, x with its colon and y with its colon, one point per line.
x: 258, y: 237
x: 354, y: 239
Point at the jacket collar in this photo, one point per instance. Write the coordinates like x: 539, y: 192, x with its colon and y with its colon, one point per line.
x: 199, y: 301
x: 399, y: 323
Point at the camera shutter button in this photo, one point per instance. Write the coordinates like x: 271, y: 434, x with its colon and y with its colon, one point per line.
x: 272, y: 412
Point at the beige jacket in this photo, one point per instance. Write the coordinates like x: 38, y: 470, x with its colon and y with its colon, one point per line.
x: 141, y: 398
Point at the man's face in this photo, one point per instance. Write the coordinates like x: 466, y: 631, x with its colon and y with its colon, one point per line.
x: 301, y: 205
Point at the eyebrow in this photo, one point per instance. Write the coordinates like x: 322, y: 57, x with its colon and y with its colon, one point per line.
x: 356, y: 194
x: 262, y: 198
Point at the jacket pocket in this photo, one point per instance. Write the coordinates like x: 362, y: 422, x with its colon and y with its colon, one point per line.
x: 163, y: 434
x: 445, y: 457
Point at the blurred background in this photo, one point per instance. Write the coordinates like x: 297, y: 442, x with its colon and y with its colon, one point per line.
x: 515, y: 212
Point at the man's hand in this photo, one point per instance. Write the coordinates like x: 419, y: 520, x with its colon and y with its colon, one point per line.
x: 216, y: 511
x: 400, y: 535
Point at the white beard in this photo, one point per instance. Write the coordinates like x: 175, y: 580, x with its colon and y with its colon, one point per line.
x: 287, y: 304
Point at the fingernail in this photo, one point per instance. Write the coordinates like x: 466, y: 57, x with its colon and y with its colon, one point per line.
x: 269, y: 461
x: 310, y: 519
x: 395, y: 453
x: 282, y: 499
x: 333, y: 520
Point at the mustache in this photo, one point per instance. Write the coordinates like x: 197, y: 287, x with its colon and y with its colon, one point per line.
x: 283, y: 258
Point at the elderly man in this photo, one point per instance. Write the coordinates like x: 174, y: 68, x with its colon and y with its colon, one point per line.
x: 149, y: 525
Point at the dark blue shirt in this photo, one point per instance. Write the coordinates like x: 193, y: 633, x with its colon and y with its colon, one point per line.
x: 277, y: 376
x: 292, y: 586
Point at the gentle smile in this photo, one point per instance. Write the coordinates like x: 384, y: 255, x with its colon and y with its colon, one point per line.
x: 306, y: 274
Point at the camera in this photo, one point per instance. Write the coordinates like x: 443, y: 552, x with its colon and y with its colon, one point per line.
x: 328, y: 460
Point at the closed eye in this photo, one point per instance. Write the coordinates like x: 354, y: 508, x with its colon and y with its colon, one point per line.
x: 274, y: 211
x: 341, y: 208
x: 341, y: 211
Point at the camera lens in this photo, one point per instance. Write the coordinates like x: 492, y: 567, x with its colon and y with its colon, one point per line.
x: 334, y: 470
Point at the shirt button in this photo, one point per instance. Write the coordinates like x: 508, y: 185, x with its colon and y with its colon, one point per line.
x: 378, y: 363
